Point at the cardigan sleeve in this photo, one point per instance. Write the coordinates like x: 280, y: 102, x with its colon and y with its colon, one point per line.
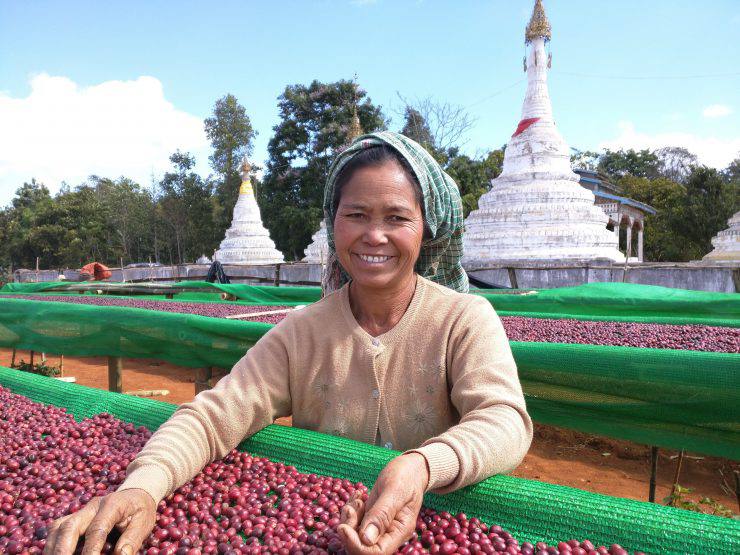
x: 495, y: 431
x: 250, y: 397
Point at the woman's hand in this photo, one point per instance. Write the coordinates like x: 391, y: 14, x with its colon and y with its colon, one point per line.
x: 388, y: 517
x: 132, y: 511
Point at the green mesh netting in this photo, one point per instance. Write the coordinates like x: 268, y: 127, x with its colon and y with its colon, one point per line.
x: 591, y: 301
x: 675, y: 399
x: 531, y: 510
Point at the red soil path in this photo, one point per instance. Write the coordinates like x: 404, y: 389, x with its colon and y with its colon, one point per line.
x: 557, y: 456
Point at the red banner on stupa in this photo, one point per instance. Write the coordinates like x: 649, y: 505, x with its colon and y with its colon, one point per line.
x: 524, y: 124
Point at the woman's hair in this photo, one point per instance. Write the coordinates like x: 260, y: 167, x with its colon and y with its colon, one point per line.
x: 376, y: 156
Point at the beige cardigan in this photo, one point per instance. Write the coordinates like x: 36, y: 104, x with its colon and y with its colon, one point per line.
x: 442, y: 382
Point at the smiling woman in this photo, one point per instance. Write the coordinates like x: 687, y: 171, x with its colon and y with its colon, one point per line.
x: 395, y: 354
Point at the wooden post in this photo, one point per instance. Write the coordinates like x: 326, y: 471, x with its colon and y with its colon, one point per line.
x: 61, y: 366
x: 115, y: 374
x: 37, y: 269
x: 203, y: 379
x: 512, y: 278
x: 653, y: 472
x: 32, y: 353
x: 123, y: 276
x: 12, y: 359
x: 276, y: 281
x: 678, y: 471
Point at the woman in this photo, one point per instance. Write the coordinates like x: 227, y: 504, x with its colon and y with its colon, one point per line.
x: 395, y: 354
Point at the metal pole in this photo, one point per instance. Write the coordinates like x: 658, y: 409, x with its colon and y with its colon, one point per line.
x: 115, y: 374
x: 653, y: 472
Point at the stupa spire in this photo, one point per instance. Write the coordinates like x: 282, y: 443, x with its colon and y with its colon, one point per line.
x: 355, y: 128
x: 247, y: 241
x: 539, y: 25
x: 536, y: 210
x: 246, y: 186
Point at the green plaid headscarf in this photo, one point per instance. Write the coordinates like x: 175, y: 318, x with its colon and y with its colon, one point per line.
x: 440, y: 256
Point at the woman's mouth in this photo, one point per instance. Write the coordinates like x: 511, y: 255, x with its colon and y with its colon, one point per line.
x: 370, y: 259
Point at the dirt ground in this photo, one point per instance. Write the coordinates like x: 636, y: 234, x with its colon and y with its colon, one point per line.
x: 558, y: 456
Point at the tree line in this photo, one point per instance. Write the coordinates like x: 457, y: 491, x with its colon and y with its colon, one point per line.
x: 184, y: 215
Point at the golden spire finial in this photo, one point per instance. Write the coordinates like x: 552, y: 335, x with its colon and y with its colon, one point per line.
x: 538, y: 26
x: 355, y: 128
x: 246, y: 186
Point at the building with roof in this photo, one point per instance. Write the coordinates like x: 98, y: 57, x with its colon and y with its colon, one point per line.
x: 623, y: 213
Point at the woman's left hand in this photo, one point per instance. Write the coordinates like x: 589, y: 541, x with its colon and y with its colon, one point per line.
x: 388, y: 517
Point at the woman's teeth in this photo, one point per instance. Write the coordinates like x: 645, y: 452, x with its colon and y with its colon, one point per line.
x: 374, y: 259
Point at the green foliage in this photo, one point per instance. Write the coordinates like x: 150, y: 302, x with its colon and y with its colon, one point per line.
x: 415, y: 127
x: 314, y: 125
x: 473, y: 176
x: 185, y: 207
x: 706, y: 505
x: 688, y: 215
x: 620, y: 163
x: 661, y: 242
x: 230, y: 132
x: 48, y: 370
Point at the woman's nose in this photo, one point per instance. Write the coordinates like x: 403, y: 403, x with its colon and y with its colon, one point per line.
x: 375, y: 234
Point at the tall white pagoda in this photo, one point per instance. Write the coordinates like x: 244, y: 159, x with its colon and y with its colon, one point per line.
x: 247, y: 241
x: 318, y: 251
x: 536, y: 211
x: 726, y: 243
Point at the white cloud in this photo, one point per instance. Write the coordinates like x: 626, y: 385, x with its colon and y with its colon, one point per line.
x: 716, y: 111
x: 64, y: 132
x: 711, y: 151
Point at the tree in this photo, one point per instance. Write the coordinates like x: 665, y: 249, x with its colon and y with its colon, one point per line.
x: 710, y: 202
x: 185, y: 206
x: 620, y: 163
x: 131, y: 213
x: 444, y: 123
x: 662, y: 241
x: 584, y: 159
x: 230, y: 132
x: 315, y: 122
x: 473, y: 176
x: 416, y: 128
x: 676, y: 163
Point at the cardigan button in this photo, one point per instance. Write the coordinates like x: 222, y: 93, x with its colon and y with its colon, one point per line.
x: 375, y: 393
x: 375, y: 342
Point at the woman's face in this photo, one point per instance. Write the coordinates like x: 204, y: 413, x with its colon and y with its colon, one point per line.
x: 378, y: 227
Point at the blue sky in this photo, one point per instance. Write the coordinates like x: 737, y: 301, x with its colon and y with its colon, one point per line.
x: 113, y: 87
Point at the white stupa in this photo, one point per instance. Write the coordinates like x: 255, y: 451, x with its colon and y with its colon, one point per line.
x: 247, y: 241
x: 536, y: 210
x: 726, y: 243
x: 318, y: 251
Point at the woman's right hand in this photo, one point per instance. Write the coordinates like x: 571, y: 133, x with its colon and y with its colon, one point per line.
x: 132, y: 511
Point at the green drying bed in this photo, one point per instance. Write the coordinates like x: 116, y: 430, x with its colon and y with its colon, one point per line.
x: 531, y: 510
x: 669, y: 398
x: 592, y: 301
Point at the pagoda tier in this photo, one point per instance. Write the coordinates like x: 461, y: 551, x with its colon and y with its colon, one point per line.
x: 247, y: 241
x: 726, y: 243
x: 536, y: 210
x: 318, y: 251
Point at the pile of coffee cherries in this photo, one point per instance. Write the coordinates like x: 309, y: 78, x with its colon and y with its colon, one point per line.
x: 622, y: 334
x: 51, y: 466
x: 213, y: 310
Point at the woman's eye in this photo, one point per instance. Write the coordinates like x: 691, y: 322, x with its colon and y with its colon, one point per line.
x: 397, y: 218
